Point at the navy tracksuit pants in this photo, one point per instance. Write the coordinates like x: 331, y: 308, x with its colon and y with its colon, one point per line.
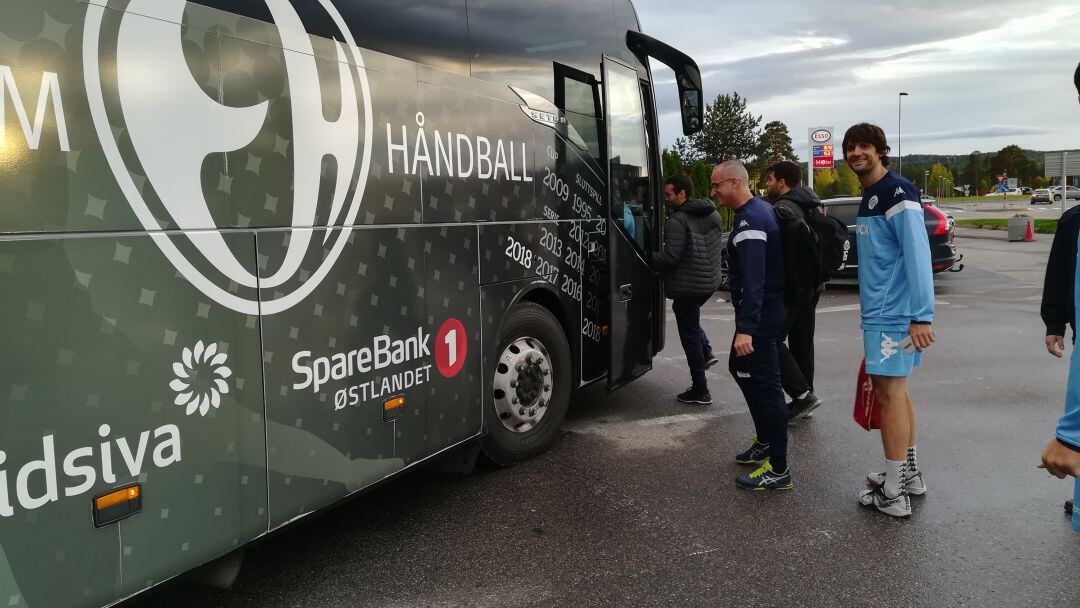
x: 758, y: 375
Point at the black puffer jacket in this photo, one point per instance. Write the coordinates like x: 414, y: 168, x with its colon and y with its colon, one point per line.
x: 800, y: 201
x: 690, y: 259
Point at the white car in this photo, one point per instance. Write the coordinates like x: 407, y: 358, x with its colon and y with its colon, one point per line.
x: 1072, y: 193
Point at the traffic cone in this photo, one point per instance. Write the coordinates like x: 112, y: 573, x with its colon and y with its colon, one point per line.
x: 1029, y: 236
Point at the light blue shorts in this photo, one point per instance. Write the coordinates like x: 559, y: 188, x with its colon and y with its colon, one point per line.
x: 884, y: 357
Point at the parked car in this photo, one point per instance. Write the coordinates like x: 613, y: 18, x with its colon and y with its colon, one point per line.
x: 939, y: 229
x: 1025, y: 190
x: 1072, y: 193
x: 1040, y: 195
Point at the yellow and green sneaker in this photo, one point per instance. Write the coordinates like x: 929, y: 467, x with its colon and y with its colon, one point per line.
x: 764, y: 478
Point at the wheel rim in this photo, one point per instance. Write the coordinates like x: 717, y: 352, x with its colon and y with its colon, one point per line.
x: 523, y: 385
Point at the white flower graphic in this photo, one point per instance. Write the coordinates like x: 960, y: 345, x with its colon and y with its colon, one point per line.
x: 207, y: 365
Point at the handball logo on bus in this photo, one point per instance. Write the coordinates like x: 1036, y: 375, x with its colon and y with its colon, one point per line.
x: 173, y: 126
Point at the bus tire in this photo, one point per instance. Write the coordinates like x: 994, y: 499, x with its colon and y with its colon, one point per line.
x: 530, y: 389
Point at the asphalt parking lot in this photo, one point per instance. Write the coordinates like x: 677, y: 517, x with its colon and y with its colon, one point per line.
x: 637, y: 506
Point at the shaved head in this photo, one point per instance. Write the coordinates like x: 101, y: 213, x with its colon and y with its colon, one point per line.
x: 730, y: 184
x: 733, y: 168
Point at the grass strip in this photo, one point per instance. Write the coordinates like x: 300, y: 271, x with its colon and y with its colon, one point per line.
x: 1041, y: 226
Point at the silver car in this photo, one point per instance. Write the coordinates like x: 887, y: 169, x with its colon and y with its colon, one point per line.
x: 1071, y: 192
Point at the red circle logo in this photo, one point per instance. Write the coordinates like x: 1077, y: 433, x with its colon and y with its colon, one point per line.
x: 451, y: 344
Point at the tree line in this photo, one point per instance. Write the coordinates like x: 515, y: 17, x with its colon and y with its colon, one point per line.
x: 732, y: 132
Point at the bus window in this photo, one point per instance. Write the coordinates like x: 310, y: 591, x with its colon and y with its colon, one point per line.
x: 632, y: 194
x: 578, y: 95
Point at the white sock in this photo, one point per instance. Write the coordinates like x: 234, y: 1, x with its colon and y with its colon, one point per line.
x: 894, y: 477
x: 912, y: 464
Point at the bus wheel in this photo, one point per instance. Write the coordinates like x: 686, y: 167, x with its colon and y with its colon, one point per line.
x: 530, y: 386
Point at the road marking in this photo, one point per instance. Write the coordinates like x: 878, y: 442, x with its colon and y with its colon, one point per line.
x: 599, y: 428
x: 706, y: 551
x: 845, y: 308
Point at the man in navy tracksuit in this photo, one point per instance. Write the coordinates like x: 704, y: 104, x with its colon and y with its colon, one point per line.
x: 755, y: 259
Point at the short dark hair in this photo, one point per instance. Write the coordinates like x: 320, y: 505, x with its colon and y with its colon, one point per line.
x: 1076, y: 79
x: 788, y: 171
x: 681, y: 183
x: 866, y: 133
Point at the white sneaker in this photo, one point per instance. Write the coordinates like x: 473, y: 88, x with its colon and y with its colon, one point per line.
x: 899, y: 506
x: 913, y: 485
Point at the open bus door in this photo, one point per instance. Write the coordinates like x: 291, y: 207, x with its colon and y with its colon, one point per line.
x: 634, y: 210
x: 631, y: 218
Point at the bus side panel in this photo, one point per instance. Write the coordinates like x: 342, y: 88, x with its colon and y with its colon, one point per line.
x: 481, y: 166
x: 262, y: 179
x: 43, y: 318
x: 333, y: 361
x: 575, y: 191
x: 209, y: 497
x: 452, y: 297
x: 114, y: 372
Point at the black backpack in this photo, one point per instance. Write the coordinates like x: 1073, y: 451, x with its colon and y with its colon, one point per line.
x: 832, y: 235
x: 802, y: 265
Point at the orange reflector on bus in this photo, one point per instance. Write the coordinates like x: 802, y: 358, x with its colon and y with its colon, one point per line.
x: 394, y: 403
x: 117, y: 497
x: 604, y: 330
x: 117, y: 504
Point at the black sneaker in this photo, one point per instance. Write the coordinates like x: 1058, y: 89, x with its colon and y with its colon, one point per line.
x: 699, y: 396
x: 757, y: 453
x: 710, y: 360
x: 801, y: 408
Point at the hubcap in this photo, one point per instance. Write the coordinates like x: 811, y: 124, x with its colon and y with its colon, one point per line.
x: 522, y: 386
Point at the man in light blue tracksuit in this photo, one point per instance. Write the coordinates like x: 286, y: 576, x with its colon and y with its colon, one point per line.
x: 1062, y: 455
x: 896, y: 293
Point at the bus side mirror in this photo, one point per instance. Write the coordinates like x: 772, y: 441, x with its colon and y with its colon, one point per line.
x: 692, y: 110
x: 687, y: 76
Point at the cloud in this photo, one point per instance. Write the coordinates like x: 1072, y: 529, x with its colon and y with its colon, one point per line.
x: 978, y: 133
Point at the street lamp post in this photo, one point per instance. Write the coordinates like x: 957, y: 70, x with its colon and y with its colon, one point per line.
x: 925, y: 179
x: 899, y: 126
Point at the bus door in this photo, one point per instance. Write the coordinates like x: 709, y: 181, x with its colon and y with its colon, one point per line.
x: 631, y: 207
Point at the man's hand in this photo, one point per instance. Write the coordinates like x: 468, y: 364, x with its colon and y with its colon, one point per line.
x: 921, y: 335
x: 1055, y: 345
x: 1060, y: 460
x: 744, y: 345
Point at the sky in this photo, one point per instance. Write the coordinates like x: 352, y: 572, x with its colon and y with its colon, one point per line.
x: 980, y: 75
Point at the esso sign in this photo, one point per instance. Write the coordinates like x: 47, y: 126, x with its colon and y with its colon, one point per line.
x: 821, y: 136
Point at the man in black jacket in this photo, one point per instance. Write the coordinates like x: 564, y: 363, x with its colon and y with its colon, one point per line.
x: 797, y: 356
x: 690, y: 262
x: 1061, y: 457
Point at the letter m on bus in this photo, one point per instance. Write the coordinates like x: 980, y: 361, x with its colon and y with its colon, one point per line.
x: 50, y: 90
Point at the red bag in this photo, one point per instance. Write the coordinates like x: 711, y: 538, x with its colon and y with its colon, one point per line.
x: 867, y: 412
